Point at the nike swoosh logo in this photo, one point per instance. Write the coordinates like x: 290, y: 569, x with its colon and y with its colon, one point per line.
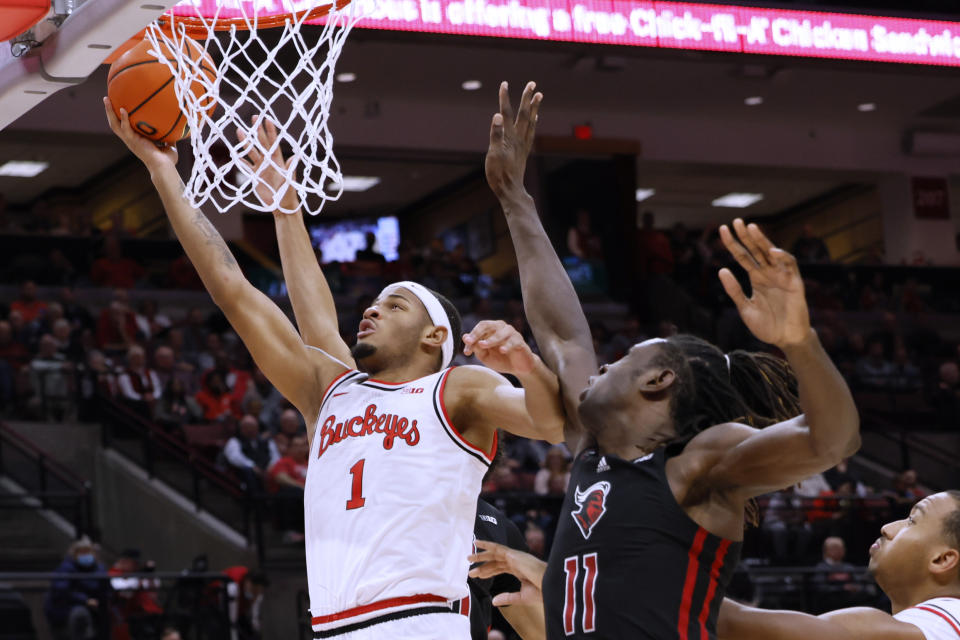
x: 340, y: 394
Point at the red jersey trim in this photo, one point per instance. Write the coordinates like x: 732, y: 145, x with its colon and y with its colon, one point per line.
x: 446, y: 416
x: 690, y: 583
x: 712, y: 589
x: 377, y: 606
x: 326, y: 391
x: 946, y: 618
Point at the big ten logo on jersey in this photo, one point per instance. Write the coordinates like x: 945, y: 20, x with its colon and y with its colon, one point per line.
x: 412, y: 390
x: 390, y: 425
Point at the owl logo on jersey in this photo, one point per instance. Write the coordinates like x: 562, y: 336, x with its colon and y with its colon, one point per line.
x: 593, y: 504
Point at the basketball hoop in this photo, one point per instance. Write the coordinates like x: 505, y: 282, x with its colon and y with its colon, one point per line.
x: 254, y: 84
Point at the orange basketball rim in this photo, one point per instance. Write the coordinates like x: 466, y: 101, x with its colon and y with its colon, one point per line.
x: 195, y: 28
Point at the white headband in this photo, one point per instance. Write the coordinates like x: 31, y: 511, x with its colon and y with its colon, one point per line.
x: 438, y: 316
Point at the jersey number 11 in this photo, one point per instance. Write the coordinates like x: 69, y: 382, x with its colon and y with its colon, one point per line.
x: 571, y: 566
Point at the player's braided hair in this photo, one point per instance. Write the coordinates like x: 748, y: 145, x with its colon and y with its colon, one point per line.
x: 755, y: 388
x: 758, y: 388
x: 951, y: 524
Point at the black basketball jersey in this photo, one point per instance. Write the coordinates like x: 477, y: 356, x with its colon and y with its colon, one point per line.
x: 627, y: 561
x: 494, y: 525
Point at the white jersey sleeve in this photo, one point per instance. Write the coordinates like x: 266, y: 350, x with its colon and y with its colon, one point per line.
x: 937, y: 619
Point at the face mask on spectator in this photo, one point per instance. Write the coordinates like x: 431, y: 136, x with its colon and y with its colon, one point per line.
x: 86, y: 560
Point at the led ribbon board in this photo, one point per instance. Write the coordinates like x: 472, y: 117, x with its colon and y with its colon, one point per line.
x: 671, y: 25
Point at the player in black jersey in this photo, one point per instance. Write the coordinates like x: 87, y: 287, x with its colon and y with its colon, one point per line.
x: 525, y: 618
x: 672, y: 441
x: 915, y: 561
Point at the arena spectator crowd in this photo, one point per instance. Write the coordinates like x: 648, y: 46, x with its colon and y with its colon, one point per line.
x: 61, y: 354
x: 125, y: 601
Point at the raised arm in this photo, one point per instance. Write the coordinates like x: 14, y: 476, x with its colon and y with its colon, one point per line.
x: 309, y: 292
x: 264, y: 329
x: 737, y: 622
x: 535, y: 411
x: 829, y: 429
x: 549, y: 300
x: 313, y: 304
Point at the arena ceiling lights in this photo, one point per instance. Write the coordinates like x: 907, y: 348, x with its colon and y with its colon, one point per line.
x: 738, y: 200
x: 677, y: 25
x: 643, y: 194
x: 356, y: 183
x: 23, y: 168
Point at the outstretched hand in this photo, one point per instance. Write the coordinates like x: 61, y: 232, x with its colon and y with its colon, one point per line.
x: 511, y: 138
x: 153, y: 155
x: 265, y: 170
x: 776, y: 312
x: 495, y: 559
x: 501, y: 347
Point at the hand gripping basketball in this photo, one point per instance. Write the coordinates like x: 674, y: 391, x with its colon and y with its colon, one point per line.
x: 152, y: 154
x: 142, y: 83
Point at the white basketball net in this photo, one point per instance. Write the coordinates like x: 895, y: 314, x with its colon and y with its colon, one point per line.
x: 252, y: 84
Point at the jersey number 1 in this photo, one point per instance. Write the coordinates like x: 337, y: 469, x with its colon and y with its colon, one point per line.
x: 571, y: 566
x: 356, y: 492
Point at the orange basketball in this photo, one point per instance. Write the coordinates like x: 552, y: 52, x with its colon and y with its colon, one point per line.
x: 144, y: 86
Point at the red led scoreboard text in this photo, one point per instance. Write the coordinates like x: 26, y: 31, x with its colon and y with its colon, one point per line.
x: 674, y: 25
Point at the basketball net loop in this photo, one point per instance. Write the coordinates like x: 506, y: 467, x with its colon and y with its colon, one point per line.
x: 251, y: 83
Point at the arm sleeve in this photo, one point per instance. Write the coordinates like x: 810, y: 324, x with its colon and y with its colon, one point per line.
x: 540, y: 482
x: 157, y: 387
x: 234, y: 454
x: 126, y: 387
